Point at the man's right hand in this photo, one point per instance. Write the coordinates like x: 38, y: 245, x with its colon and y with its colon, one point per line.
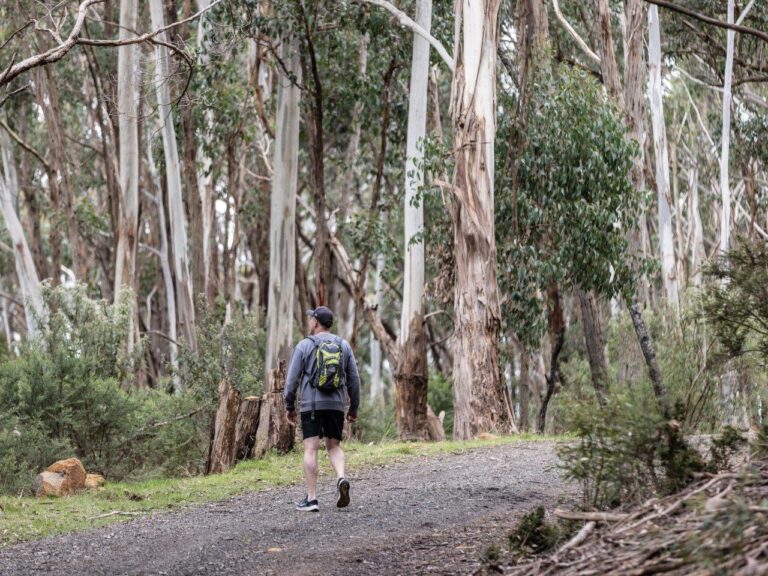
x: 351, y: 418
x: 291, y: 415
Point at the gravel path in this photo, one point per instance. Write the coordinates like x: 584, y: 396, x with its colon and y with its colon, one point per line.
x: 427, y: 515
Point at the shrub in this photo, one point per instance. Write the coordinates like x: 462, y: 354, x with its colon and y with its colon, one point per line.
x: 62, y: 396
x: 626, y: 452
x: 533, y: 534
x: 24, y: 451
x: 236, y: 349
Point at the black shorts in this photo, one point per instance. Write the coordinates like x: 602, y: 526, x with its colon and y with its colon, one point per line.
x: 326, y: 424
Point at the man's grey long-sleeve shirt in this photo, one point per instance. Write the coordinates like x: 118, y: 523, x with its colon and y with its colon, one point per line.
x: 301, y: 367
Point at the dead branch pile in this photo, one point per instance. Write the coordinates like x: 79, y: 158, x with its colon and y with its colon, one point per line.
x: 718, y: 525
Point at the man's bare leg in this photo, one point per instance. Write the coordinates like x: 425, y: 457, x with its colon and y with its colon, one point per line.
x: 311, y: 446
x: 336, y: 454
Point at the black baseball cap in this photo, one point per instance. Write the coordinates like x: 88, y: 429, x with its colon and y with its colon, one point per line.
x: 323, y: 315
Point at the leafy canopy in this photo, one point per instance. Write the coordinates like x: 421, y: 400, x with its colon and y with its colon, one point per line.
x: 568, y: 219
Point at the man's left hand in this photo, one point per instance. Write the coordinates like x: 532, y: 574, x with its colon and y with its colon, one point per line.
x: 291, y: 415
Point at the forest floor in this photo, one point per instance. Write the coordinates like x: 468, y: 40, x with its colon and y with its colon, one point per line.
x: 433, y: 514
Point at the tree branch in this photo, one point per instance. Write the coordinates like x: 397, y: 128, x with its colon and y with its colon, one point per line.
x: 407, y: 22
x: 74, y: 38
x: 709, y: 20
x: 575, y: 35
x: 16, y: 138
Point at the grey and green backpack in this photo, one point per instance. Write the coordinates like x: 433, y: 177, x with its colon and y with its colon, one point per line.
x: 328, y: 375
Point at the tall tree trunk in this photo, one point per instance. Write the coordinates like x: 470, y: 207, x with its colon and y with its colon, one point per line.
x: 127, y: 103
x: 411, y: 387
x: 411, y: 375
x: 697, y: 230
x: 323, y: 268
x: 62, y: 194
x: 343, y: 304
x: 178, y: 221
x: 525, y: 389
x: 666, y: 236
x: 282, y: 234
x: 593, y: 337
x: 725, y: 191
x: 197, y: 163
x: 29, y: 282
x: 556, y: 331
x: 608, y: 65
x: 165, y: 266
x: 634, y: 97
x: 377, y: 386
x: 477, y: 378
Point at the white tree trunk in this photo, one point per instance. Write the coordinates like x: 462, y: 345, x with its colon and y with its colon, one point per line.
x: 128, y: 123
x: 477, y: 378
x: 184, y: 291
x: 165, y: 266
x: 666, y: 234
x: 725, y: 192
x: 282, y: 230
x: 697, y: 230
x: 377, y: 386
x: 29, y: 283
x: 413, y: 273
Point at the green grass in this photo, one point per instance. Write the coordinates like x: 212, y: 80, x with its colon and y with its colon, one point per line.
x: 32, y: 518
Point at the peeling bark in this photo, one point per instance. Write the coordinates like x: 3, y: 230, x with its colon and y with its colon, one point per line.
x: 411, y: 377
x: 593, y: 337
x: 477, y: 377
x: 282, y: 234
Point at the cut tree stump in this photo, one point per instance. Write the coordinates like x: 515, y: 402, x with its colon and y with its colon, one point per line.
x: 247, y: 425
x: 274, y: 430
x: 221, y: 456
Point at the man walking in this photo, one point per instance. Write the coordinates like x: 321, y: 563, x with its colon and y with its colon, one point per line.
x: 322, y: 366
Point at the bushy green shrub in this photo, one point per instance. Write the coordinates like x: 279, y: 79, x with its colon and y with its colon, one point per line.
x: 627, y: 452
x: 533, y: 534
x: 25, y: 449
x: 69, y: 393
x: 235, y: 349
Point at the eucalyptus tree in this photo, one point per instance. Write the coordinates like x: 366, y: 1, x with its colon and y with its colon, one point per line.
x: 282, y: 233
x: 26, y: 272
x: 666, y: 237
x: 479, y: 402
x: 411, y: 373
x: 566, y: 224
x: 725, y: 191
x: 178, y: 219
x: 128, y: 123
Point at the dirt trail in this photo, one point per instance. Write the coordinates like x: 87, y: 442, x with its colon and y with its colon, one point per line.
x: 432, y: 515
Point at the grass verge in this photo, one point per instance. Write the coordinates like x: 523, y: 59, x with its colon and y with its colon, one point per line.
x: 32, y: 518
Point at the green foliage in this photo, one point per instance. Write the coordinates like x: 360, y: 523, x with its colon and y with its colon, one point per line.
x: 736, y: 302
x: 235, y: 349
x: 65, y: 395
x: 533, y: 534
x: 626, y: 452
x: 25, y: 448
x: 723, y: 448
x: 376, y: 421
x: 567, y: 220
